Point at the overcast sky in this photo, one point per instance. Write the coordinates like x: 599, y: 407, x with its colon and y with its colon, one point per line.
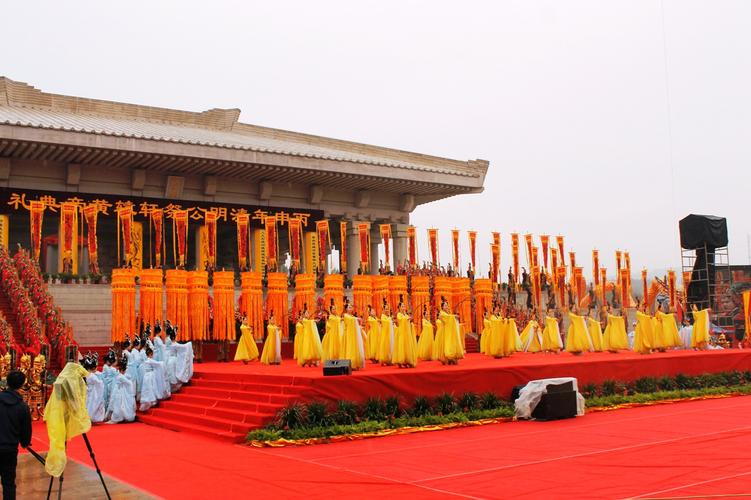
x: 603, y: 121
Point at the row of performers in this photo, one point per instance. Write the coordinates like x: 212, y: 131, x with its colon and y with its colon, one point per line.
x: 657, y: 332
x: 388, y: 339
x: 149, y: 369
x: 391, y: 340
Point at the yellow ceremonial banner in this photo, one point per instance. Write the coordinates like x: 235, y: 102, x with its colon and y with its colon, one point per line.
x: 747, y: 311
x: 515, y: 256
x: 671, y: 289
x: 203, y: 249
x: 136, y: 246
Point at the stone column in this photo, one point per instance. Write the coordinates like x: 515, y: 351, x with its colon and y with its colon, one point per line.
x: 399, y: 235
x: 375, y: 240
x: 353, y: 249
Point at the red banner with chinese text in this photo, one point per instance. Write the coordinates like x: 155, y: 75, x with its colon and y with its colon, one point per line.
x: 455, y: 249
x: 495, y: 251
x: 209, y: 221
x: 515, y: 255
x: 625, y: 299
x: 578, y: 283
x: 157, y: 222
x: 90, y: 213
x: 412, y: 245
x: 644, y: 286
x: 561, y: 283
x: 125, y: 219
x: 272, y: 242
x: 528, y: 246
x: 554, y: 265
x: 603, y: 285
x: 596, y: 267
x: 68, y: 223
x: 363, y: 232
x: 294, y: 227
x: 671, y: 290
x: 433, y: 246
x: 496, y: 238
x: 242, y: 222
x: 385, y: 230
x: 343, y: 246
x: 545, y: 243
x: 36, y: 217
x: 472, y: 235
x: 180, y: 228
x: 561, y: 252
x: 324, y: 242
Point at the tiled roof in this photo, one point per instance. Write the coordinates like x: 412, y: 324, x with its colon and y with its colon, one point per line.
x: 126, y: 120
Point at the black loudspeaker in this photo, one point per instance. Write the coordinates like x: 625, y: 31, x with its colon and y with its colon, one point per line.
x: 698, y: 231
x: 558, y: 403
x: 337, y: 367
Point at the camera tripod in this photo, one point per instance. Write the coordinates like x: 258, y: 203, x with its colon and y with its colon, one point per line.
x: 60, y: 479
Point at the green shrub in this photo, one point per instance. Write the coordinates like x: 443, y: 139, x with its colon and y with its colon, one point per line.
x: 374, y: 409
x: 468, y: 401
x: 589, y: 390
x: 445, y: 404
x: 608, y: 388
x: 392, y: 407
x: 346, y: 413
x: 733, y: 378
x: 318, y: 414
x: 683, y: 381
x: 489, y: 401
x: 421, y: 406
x: 645, y: 385
x: 291, y: 416
x: 667, y: 383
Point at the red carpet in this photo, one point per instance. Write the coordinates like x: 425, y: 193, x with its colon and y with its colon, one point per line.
x: 226, y: 400
x: 694, y: 448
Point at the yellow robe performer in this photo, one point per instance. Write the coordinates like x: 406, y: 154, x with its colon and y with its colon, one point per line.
x: 311, y: 351
x: 577, y: 337
x: 595, y: 333
x: 272, y: 347
x: 425, y: 344
x: 298, y: 339
x: 405, y: 344
x: 700, y: 332
x: 551, y: 336
x: 670, y: 334
x: 386, y: 343
x: 485, y: 336
x: 644, y: 333
x: 615, y: 338
x: 449, y: 348
x: 374, y: 338
x: 658, y: 337
x: 332, y: 339
x: 247, y: 350
x: 352, y: 347
x: 531, y: 337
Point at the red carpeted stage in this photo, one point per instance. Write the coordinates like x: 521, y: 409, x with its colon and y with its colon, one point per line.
x: 226, y: 400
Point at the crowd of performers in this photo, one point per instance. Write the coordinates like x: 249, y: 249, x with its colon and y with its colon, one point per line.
x: 149, y: 368
x: 393, y: 339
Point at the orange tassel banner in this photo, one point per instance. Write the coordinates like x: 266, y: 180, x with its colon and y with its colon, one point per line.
x: 198, y: 305
x: 420, y: 300
x: 224, y: 305
x: 362, y: 293
x: 305, y: 295
x: 644, y: 287
x: 472, y: 235
x: 324, y: 242
x: 294, y: 227
x: 333, y: 289
x: 672, y: 290
x: 343, y: 246
x: 251, y: 301
x: 363, y: 232
x: 36, y: 218
x: 455, y: 249
x: 495, y: 252
x: 380, y: 292
x: 209, y: 222
x: 123, y: 304
x: 272, y: 242
x: 515, y: 256
x: 151, y: 303
x: 535, y: 256
x: 412, y: 245
x: 603, y: 285
x: 90, y: 213
x: 157, y: 223
x: 596, y: 267
x: 397, y: 291
x: 561, y: 252
x: 553, y: 264
x: 243, y: 223
x: 545, y: 243
x: 496, y: 238
x: 385, y: 230
x: 177, y: 301
x: 277, y: 301
x: 433, y: 246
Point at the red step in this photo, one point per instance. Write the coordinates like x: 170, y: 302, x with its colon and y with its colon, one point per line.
x: 175, y: 425
x: 471, y: 344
